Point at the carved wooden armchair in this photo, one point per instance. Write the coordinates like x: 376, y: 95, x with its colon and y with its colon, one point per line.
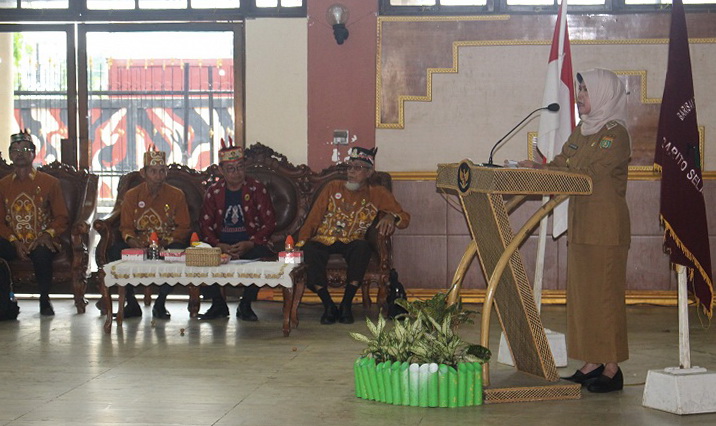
x: 79, y: 188
x: 381, y: 261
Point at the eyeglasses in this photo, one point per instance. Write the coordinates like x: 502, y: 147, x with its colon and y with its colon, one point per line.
x: 24, y: 149
x: 233, y: 169
x: 358, y: 168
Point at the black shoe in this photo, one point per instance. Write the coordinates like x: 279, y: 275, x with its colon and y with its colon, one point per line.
x: 605, y: 384
x: 132, y: 309
x: 585, y: 378
x: 330, y: 315
x: 160, y: 312
x: 245, y: 313
x: 345, y: 316
x: 216, y: 310
x: 46, y: 308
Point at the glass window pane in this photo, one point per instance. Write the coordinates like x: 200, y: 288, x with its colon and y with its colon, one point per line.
x: 8, y: 4
x: 215, y: 4
x: 530, y: 2
x: 45, y: 4
x: 412, y: 2
x: 266, y: 3
x: 110, y: 4
x: 40, y: 90
x: 163, y: 4
x: 291, y: 3
x: 174, y: 90
x: 585, y: 2
x: 463, y: 2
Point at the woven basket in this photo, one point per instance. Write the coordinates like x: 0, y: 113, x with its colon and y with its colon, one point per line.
x: 203, y: 256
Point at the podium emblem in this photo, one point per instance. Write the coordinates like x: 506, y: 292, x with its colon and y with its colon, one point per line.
x: 463, y: 177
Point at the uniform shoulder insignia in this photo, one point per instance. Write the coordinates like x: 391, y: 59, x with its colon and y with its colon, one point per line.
x: 612, y: 124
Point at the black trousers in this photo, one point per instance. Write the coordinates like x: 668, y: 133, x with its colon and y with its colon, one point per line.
x: 250, y: 292
x: 41, y: 259
x: 115, y: 253
x: 356, y: 253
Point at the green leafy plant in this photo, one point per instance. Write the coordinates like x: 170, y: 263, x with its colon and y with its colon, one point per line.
x: 437, y: 308
x: 425, y: 334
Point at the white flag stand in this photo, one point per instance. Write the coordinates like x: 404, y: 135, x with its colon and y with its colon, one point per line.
x: 684, y: 389
x: 556, y: 340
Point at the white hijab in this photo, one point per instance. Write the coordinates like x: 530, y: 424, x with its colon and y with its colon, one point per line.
x: 607, y: 96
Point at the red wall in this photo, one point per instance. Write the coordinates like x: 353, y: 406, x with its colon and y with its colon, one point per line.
x: 341, y: 79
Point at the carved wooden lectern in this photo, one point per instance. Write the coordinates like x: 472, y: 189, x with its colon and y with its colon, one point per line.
x: 481, y: 191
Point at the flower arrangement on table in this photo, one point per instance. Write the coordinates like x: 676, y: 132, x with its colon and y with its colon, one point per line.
x: 421, y: 361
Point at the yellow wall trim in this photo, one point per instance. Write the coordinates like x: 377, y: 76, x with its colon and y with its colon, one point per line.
x: 633, y: 175
x: 549, y: 297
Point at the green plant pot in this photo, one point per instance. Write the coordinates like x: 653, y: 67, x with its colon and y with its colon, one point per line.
x: 427, y: 385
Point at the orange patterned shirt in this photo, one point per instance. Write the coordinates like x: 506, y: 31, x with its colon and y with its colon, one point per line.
x: 31, y: 206
x: 339, y: 214
x: 166, y: 214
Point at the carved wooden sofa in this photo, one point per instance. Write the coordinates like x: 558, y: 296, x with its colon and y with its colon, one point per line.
x: 293, y: 190
x: 79, y: 188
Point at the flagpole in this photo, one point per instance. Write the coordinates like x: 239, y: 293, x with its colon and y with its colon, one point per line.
x: 684, y: 344
x: 539, y: 267
x: 549, y: 155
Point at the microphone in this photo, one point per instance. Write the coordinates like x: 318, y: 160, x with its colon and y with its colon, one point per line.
x: 554, y: 107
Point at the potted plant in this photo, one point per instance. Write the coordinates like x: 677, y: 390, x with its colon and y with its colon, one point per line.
x: 421, y: 360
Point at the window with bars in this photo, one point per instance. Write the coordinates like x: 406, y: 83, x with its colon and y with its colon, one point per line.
x: 246, y: 7
x: 453, y: 7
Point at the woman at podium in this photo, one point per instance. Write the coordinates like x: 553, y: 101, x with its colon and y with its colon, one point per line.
x: 599, y: 232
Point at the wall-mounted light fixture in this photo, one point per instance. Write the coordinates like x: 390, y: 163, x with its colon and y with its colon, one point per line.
x: 337, y: 16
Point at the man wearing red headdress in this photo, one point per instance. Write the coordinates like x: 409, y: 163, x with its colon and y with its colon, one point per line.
x: 337, y: 223
x: 152, y: 206
x: 237, y: 215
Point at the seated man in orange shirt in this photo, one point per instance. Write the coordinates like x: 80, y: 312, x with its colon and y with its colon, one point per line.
x: 337, y: 223
x: 152, y: 206
x: 32, y: 214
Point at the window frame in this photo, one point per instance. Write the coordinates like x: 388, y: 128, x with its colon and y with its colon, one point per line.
x: 78, y: 12
x: 500, y: 7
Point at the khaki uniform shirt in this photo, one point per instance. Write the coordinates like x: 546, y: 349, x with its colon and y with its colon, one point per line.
x: 601, y: 218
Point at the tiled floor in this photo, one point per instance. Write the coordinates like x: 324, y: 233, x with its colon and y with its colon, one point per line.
x: 66, y: 371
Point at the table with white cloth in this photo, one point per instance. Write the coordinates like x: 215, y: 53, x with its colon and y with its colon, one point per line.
x: 122, y: 273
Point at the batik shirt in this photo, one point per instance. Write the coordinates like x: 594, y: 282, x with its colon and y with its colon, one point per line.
x: 339, y: 214
x: 258, y: 212
x: 166, y: 214
x: 31, y: 206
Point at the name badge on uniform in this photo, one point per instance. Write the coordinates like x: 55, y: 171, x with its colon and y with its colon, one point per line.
x: 573, y: 146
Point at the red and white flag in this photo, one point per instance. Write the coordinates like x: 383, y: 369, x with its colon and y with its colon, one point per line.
x: 555, y: 127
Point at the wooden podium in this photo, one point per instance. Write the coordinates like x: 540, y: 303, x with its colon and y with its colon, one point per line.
x: 481, y: 191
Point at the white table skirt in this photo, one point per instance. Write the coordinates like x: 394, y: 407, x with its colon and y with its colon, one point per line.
x: 125, y: 272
